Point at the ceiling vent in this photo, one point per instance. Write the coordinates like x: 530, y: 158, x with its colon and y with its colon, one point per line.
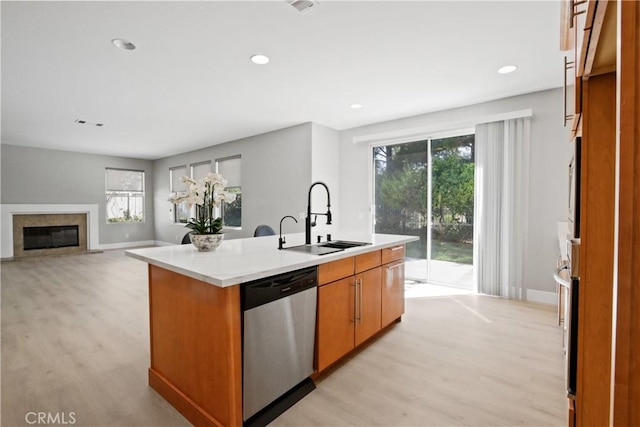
x: 303, y: 5
x: 85, y: 122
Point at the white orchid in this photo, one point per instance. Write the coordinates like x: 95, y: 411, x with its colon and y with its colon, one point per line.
x: 206, y: 194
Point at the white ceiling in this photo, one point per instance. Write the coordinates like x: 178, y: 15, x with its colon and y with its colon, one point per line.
x: 190, y: 84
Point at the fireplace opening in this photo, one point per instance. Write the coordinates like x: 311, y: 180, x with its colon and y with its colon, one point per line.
x: 58, y: 236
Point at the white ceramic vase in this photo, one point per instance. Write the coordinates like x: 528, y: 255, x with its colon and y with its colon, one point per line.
x: 206, y: 242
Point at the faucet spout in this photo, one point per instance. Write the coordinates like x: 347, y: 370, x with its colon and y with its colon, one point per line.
x: 308, y: 223
x: 281, y: 240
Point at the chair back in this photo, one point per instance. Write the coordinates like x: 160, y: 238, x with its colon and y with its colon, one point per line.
x: 263, y: 230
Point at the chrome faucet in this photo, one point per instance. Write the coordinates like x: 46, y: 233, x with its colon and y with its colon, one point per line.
x: 282, y: 240
x: 308, y: 222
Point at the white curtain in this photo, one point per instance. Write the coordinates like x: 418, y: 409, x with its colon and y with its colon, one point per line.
x: 502, y: 194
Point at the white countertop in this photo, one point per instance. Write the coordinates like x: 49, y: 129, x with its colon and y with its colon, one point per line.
x: 243, y: 260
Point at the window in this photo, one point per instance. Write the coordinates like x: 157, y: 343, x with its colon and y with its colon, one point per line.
x: 124, y: 195
x: 230, y: 169
x: 181, y: 210
x: 198, y: 172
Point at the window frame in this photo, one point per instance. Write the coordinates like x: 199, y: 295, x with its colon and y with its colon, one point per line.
x: 222, y: 209
x: 178, y: 207
x: 125, y: 193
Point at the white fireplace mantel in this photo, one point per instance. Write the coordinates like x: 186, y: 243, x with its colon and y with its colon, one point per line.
x: 7, y: 212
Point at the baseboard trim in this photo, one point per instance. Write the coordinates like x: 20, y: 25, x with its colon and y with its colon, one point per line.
x: 122, y: 245
x: 542, y: 297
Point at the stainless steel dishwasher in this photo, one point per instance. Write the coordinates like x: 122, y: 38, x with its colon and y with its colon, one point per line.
x: 279, y: 323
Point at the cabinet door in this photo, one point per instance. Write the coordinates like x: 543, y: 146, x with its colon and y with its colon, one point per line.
x: 335, y: 321
x: 368, y: 296
x: 392, y: 292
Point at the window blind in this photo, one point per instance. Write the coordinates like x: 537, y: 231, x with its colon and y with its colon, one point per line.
x: 200, y: 170
x: 231, y: 170
x: 176, y: 183
x: 124, y: 180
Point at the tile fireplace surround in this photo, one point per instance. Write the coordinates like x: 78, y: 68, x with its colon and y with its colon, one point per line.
x: 47, y: 220
x: 16, y: 217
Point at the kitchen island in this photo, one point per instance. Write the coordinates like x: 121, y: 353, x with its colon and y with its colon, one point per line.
x: 196, y: 319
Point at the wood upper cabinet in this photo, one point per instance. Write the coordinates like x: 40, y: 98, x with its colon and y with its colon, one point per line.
x: 588, y: 35
x: 368, y: 304
x: 392, y: 306
x: 336, y: 317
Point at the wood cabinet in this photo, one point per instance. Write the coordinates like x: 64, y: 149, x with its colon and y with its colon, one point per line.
x: 595, y: 295
x: 368, y: 307
x: 336, y: 319
x: 196, y: 352
x: 626, y: 382
x: 608, y: 67
x: 354, y: 296
x: 392, y: 292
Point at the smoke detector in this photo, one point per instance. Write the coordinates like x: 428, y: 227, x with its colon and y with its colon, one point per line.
x: 302, y: 5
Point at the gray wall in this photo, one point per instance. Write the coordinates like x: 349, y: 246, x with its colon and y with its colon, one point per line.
x: 325, y: 167
x: 276, y: 174
x: 550, y: 155
x: 39, y: 176
x: 279, y: 166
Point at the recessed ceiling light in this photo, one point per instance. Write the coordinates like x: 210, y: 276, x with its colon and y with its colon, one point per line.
x: 302, y: 5
x: 259, y: 59
x: 507, y: 69
x: 355, y: 106
x: 123, y: 44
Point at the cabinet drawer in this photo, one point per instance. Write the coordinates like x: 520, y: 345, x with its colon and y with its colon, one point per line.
x: 368, y: 261
x: 394, y: 253
x: 336, y: 270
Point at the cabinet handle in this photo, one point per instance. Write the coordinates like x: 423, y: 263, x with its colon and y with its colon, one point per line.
x: 397, y: 248
x: 575, y: 259
x: 395, y: 265
x: 355, y: 301
x: 360, y: 301
x: 574, y: 10
x: 567, y: 66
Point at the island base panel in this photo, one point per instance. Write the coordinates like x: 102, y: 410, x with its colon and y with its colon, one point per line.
x: 189, y: 409
x: 196, y: 361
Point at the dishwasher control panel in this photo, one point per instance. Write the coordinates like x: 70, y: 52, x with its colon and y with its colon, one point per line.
x: 263, y: 291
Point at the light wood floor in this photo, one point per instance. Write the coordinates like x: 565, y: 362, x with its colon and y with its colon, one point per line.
x: 75, y: 338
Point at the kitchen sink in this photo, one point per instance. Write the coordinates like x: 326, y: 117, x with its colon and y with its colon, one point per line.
x: 313, y: 249
x: 327, y: 247
x: 342, y: 244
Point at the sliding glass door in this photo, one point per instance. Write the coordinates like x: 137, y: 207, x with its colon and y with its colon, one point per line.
x: 425, y: 188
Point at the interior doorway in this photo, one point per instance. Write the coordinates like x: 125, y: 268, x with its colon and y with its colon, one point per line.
x: 425, y: 188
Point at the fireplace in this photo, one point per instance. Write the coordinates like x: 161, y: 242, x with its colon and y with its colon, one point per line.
x: 49, y: 234
x: 48, y: 237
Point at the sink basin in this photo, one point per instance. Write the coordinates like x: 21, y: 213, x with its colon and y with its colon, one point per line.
x: 342, y: 244
x: 314, y: 249
x: 326, y: 248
